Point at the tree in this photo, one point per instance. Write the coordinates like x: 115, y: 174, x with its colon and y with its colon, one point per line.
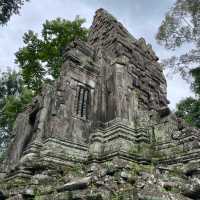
x: 189, y: 110
x: 14, y: 97
x: 180, y: 26
x: 195, y: 85
x: 11, y: 84
x: 39, y: 60
x: 8, y: 8
x: 42, y: 57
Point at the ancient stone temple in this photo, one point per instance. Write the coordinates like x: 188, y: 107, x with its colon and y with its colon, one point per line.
x: 103, y: 130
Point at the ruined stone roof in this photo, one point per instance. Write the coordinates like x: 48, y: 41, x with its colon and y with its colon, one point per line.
x: 105, y: 29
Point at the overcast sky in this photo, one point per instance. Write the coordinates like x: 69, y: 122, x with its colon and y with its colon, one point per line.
x: 141, y: 17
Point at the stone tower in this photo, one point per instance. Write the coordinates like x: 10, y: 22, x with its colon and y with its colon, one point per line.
x: 108, y: 104
x: 106, y: 91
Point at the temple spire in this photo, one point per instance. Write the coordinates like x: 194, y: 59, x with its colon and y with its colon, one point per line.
x: 105, y: 28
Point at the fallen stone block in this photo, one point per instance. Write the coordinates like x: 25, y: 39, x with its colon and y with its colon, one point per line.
x: 75, y: 185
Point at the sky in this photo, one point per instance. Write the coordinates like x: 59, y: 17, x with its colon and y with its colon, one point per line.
x: 141, y: 17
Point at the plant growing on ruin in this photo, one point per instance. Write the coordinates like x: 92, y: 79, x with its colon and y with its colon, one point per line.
x: 118, y: 196
x: 176, y: 171
x: 109, y: 164
x: 76, y: 170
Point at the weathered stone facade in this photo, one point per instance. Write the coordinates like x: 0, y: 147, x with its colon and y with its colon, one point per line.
x: 107, y: 114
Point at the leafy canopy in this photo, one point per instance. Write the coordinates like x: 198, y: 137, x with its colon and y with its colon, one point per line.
x: 42, y: 57
x: 182, y: 26
x: 189, y: 110
x: 14, y: 96
x: 39, y: 61
x: 8, y: 8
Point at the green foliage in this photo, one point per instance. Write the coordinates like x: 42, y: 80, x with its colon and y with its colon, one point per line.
x: 109, y: 165
x: 39, y: 198
x: 196, y: 81
x: 182, y: 25
x: 189, y: 110
x: 12, y: 107
x: 142, y: 150
x: 14, y: 96
x: 8, y: 8
x: 42, y: 57
x: 2, y: 154
x: 149, y: 197
x: 147, y: 151
x: 10, y: 84
x: 75, y: 170
x: 136, y: 168
x: 118, y: 196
